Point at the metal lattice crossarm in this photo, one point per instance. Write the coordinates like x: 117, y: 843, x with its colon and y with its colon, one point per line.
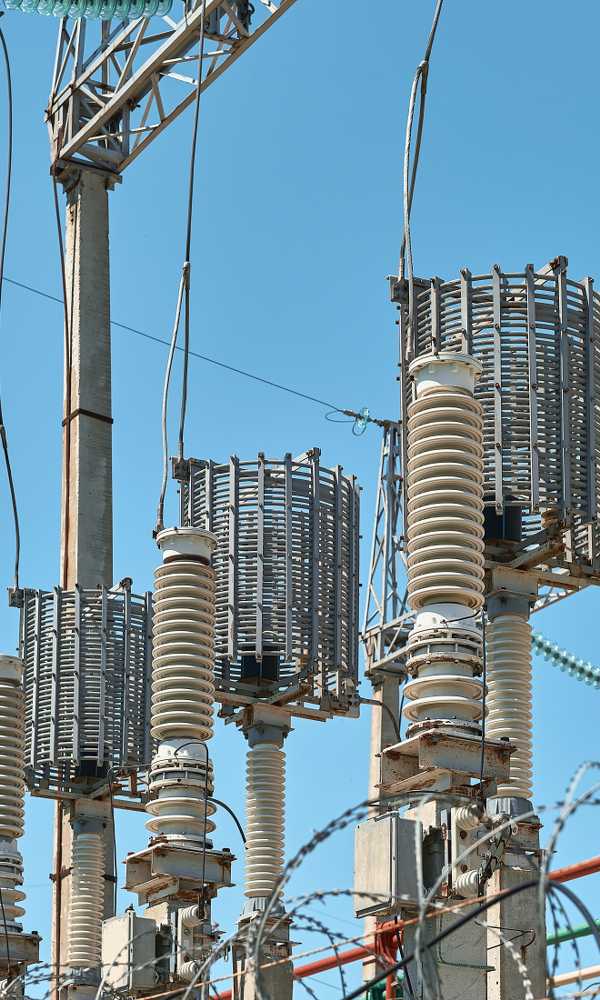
x: 87, y: 688
x: 117, y: 86
x: 286, y: 575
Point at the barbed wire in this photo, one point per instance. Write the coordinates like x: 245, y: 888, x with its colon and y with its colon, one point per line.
x: 251, y: 940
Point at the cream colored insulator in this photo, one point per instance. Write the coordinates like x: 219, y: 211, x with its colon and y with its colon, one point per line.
x: 180, y: 812
x: 12, y: 786
x: 265, y: 818
x: 445, y: 541
x: 508, y: 671
x: 86, y: 905
x: 183, y: 685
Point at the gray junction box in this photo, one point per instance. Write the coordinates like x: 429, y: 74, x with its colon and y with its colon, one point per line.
x: 387, y: 864
x: 129, y: 953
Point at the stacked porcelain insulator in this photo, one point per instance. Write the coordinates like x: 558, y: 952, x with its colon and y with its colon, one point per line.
x: 445, y: 544
x: 12, y: 788
x: 183, y: 689
x: 265, y: 818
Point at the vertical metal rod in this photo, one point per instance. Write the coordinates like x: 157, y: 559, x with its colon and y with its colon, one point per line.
x: 592, y: 491
x: 260, y: 553
x: 534, y: 458
x: 565, y: 391
x: 234, y: 487
x: 289, y: 577
x: 466, y: 310
x: 77, y: 705
x: 436, y: 330
x: 497, y: 387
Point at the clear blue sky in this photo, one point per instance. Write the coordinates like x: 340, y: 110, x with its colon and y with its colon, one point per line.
x: 298, y: 221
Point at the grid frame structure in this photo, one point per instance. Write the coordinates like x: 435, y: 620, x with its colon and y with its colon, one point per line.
x: 87, y: 656
x: 536, y: 334
x: 286, y: 574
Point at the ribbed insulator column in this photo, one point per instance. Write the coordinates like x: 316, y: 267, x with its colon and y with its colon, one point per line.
x: 509, y: 697
x: 183, y: 687
x: 445, y: 541
x: 12, y: 786
x: 265, y: 818
x: 86, y: 907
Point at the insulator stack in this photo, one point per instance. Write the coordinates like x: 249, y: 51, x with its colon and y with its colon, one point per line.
x: 86, y: 908
x: 183, y: 687
x: 445, y: 543
x: 12, y: 786
x: 96, y: 10
x: 509, y: 697
x: 265, y: 818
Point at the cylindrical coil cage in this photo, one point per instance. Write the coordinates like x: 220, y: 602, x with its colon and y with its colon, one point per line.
x: 286, y: 574
x: 87, y: 683
x: 537, y: 336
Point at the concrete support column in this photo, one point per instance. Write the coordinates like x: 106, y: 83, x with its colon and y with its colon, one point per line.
x: 86, y: 509
x: 86, y: 528
x: 383, y: 734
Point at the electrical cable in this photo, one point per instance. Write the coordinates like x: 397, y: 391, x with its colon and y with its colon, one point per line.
x: 188, y: 235
x: 410, y: 175
x: 353, y: 415
x: 3, y: 241
x: 165, y: 402
x: 387, y: 709
x: 228, y: 809
x: 461, y: 922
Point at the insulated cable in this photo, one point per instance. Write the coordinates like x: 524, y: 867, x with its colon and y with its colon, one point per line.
x: 353, y: 415
x: 188, y: 235
x: 3, y: 240
x: 410, y: 174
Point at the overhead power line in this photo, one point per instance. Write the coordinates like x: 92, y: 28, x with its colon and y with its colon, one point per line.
x: 352, y: 414
x: 3, y: 237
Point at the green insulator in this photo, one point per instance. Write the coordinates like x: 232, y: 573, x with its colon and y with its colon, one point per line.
x: 99, y: 10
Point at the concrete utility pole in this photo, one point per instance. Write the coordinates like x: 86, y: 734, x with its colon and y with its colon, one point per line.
x: 86, y: 518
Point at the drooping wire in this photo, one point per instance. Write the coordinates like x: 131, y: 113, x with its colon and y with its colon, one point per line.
x: 3, y: 240
x: 188, y: 235
x: 350, y: 416
x: 410, y: 172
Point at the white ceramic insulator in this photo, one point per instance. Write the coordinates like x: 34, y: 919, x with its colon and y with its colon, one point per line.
x: 86, y: 908
x: 509, y: 697
x: 183, y: 687
x: 468, y: 817
x: 12, y: 749
x: 12, y: 785
x: 445, y: 543
x: 445, y: 499
x: 180, y: 811
x: 467, y: 884
x: 11, y: 877
x: 265, y: 818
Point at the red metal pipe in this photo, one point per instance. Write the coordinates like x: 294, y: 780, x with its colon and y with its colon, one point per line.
x: 567, y: 874
x: 589, y: 867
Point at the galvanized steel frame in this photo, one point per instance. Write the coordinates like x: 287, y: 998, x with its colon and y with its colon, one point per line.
x: 384, y: 630
x: 83, y: 671
x: 117, y: 86
x: 290, y: 526
x: 558, y: 393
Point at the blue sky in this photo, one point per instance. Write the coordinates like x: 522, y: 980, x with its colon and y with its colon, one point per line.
x: 298, y: 222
